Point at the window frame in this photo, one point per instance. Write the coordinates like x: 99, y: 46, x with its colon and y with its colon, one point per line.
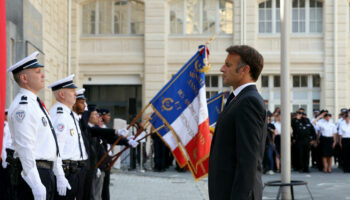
x: 112, y: 23
x: 201, y: 21
x: 307, y: 20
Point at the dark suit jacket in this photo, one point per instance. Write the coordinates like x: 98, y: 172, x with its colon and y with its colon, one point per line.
x: 237, y: 148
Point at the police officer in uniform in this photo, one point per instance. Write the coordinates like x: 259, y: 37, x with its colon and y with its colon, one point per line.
x: 34, y: 138
x: 66, y: 124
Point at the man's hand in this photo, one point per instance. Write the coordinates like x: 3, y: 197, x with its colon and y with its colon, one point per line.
x: 133, y: 143
x: 98, y: 173
x: 39, y: 192
x: 62, y: 185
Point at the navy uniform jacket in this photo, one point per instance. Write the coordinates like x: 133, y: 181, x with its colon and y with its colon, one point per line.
x: 237, y: 148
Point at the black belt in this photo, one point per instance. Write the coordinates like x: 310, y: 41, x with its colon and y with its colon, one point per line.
x: 44, y: 164
x: 72, y: 166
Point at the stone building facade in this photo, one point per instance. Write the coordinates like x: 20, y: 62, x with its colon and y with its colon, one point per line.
x: 124, y: 51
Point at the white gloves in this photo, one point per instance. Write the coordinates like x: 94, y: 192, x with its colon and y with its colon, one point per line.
x: 98, y: 173
x: 133, y: 143
x: 34, y: 182
x: 123, y: 132
x: 62, y: 185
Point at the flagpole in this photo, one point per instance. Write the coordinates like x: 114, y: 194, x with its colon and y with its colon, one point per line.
x: 119, y: 138
x: 285, y: 98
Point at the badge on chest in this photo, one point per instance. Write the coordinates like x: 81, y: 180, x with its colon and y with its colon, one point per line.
x: 71, y: 132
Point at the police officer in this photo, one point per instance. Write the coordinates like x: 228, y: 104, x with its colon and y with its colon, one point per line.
x: 106, y: 118
x: 34, y: 138
x: 68, y: 132
x: 304, y: 136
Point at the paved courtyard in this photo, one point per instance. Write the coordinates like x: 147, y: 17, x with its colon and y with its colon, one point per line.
x: 171, y: 185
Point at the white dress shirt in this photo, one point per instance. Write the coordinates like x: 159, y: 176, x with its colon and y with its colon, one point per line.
x: 344, y: 129
x: 68, y: 133
x: 327, y: 129
x: 240, y: 88
x: 31, y: 132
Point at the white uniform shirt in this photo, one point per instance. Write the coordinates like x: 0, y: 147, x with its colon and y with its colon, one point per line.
x: 67, y: 133
x: 31, y: 132
x: 327, y: 129
x: 278, y: 127
x: 340, y: 121
x: 7, y: 144
x: 344, y: 130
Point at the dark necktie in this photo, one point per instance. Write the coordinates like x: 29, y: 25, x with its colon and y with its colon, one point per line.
x: 52, y: 129
x: 229, y: 99
x: 76, y: 127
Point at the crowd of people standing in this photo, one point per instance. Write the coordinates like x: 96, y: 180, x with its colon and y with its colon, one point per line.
x: 319, y: 136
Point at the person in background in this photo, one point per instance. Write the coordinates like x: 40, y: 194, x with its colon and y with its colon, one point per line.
x: 68, y: 131
x: 269, y: 146
x: 277, y: 141
x: 7, y: 150
x: 328, y: 134
x: 344, y: 142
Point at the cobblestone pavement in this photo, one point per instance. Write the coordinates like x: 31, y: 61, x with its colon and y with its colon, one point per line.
x: 171, y: 185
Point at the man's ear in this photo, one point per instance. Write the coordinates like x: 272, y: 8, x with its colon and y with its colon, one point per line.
x: 246, y: 69
x: 23, y: 77
x: 61, y: 94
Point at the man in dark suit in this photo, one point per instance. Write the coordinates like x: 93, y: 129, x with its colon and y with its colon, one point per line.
x: 239, y: 139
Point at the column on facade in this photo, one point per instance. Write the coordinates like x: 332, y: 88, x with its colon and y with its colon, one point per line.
x: 156, y: 50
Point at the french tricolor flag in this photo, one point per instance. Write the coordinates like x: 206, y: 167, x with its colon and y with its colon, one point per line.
x: 181, y: 107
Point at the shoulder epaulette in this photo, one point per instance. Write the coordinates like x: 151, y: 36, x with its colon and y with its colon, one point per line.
x: 23, y: 100
x: 59, y: 110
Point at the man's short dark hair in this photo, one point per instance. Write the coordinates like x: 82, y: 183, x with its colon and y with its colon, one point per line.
x: 249, y: 56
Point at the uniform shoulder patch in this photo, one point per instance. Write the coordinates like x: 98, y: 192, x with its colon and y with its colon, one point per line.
x: 59, y: 110
x: 24, y: 100
x: 20, y: 115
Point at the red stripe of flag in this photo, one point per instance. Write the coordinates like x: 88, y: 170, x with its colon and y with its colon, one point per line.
x: 2, y: 68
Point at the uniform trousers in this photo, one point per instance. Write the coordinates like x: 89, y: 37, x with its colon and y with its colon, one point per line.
x: 105, y: 189
x: 346, y: 154
x: 71, y: 194
x: 303, y: 148
x: 48, y: 179
x: 5, y: 186
x: 82, y: 181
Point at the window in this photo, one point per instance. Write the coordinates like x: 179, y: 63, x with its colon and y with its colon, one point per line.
x: 269, y: 16
x: 264, y: 81
x: 300, y: 81
x: 107, y: 17
x: 316, y: 80
x: 201, y: 16
x: 305, y: 91
x: 276, y: 81
x: 307, y: 16
x: 213, y: 84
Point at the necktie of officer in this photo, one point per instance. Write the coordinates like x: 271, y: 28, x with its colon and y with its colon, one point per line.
x: 76, y: 127
x: 48, y: 119
x: 229, y: 99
